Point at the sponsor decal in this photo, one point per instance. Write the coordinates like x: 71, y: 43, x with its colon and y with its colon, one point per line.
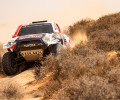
x: 30, y: 36
x: 32, y: 45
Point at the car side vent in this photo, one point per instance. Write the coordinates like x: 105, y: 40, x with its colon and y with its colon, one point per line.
x: 39, y: 21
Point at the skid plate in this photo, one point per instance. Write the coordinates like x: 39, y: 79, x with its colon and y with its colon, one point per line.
x: 31, y: 55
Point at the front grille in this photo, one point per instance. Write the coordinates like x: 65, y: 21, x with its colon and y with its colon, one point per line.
x: 30, y: 48
x: 30, y: 45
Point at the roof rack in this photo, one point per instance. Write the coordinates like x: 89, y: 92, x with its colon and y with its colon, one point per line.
x: 39, y: 21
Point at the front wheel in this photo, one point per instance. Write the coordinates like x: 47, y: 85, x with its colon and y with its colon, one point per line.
x: 8, y: 63
x: 55, y: 49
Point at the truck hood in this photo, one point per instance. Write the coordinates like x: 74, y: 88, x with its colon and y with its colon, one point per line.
x: 30, y: 37
x: 48, y: 38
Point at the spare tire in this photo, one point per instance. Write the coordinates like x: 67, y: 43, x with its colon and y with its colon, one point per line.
x: 8, y: 63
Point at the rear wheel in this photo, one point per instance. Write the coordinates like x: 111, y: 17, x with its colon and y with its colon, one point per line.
x: 8, y: 62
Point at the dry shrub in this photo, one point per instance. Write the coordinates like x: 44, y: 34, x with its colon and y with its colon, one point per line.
x: 66, y: 64
x: 82, y: 25
x: 105, y: 22
x: 88, y: 88
x: 11, y: 91
x: 0, y: 58
x: 106, y: 40
x: 103, y: 33
x: 0, y: 64
x: 86, y: 72
x: 50, y: 88
x: 73, y: 66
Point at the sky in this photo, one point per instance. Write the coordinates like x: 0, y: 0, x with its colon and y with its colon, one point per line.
x: 64, y: 12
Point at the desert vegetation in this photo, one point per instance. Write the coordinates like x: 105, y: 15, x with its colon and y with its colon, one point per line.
x: 88, y: 71
x: 0, y: 58
x: 0, y: 64
x: 11, y: 91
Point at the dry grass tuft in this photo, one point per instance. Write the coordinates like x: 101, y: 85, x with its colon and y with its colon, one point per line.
x: 88, y: 88
x: 0, y: 58
x: 11, y: 92
x: 81, y: 65
x: 0, y: 64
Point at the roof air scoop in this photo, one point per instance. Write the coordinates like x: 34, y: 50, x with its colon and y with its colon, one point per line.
x: 39, y: 21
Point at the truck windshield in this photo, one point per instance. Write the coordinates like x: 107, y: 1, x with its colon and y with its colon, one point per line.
x: 35, y: 29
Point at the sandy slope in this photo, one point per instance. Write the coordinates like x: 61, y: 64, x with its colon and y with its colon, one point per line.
x: 26, y: 81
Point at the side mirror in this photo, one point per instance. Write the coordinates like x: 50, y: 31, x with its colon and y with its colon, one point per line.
x: 56, y: 31
x: 12, y: 36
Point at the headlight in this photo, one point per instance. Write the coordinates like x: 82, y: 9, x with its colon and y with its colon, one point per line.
x: 46, y: 38
x: 11, y: 43
x: 50, y: 39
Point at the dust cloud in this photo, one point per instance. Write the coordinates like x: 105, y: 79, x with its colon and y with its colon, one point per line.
x: 79, y: 37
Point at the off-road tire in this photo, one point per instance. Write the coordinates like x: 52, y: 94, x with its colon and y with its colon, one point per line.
x: 55, y: 49
x: 7, y: 62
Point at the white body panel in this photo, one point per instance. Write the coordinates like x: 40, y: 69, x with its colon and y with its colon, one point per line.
x: 10, y: 43
x: 48, y: 38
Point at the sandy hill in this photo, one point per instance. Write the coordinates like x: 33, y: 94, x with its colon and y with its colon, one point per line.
x: 89, y: 70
